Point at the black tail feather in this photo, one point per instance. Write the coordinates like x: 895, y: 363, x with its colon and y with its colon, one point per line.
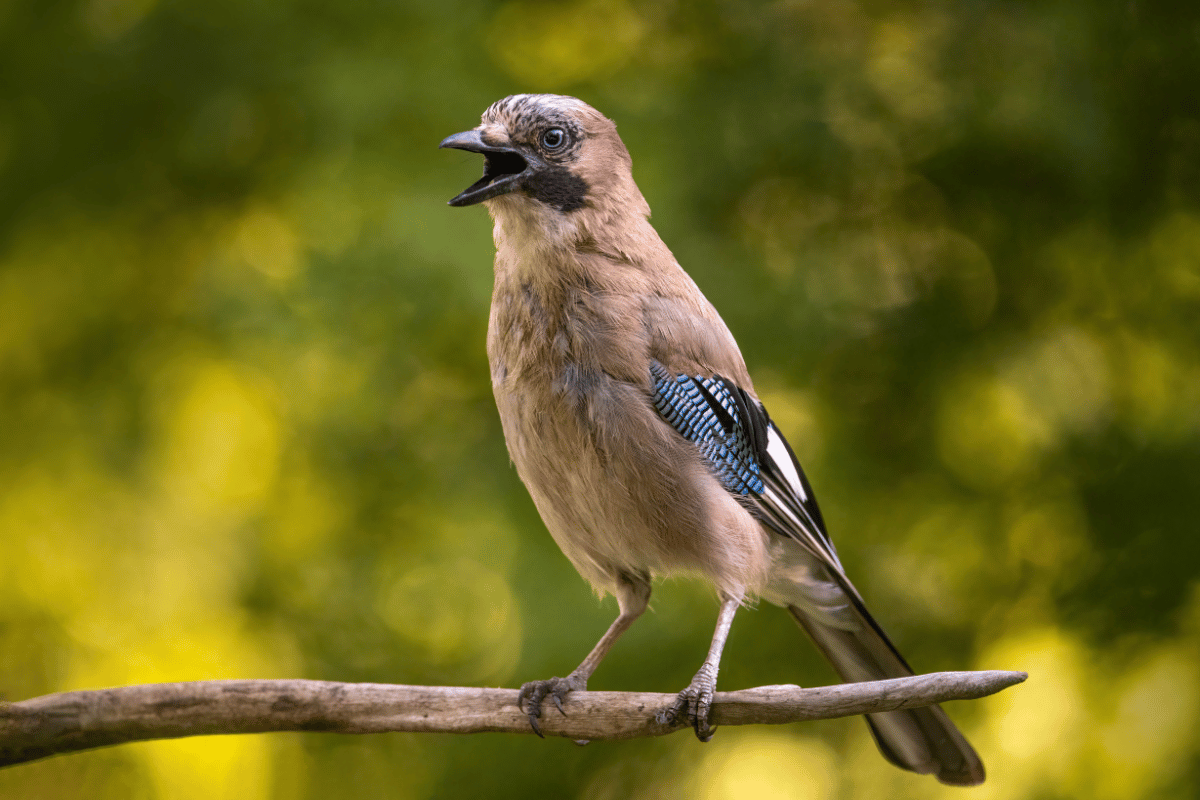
x: 922, y: 740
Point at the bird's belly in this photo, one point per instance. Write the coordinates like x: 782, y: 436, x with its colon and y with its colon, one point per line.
x: 589, y: 514
x: 622, y: 492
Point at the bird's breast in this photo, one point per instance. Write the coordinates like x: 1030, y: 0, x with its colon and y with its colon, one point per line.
x: 618, y: 488
x: 558, y: 346
x: 570, y: 373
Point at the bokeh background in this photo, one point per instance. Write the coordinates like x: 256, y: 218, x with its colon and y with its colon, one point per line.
x: 247, y: 427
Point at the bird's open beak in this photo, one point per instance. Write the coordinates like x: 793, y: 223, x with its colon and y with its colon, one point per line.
x: 503, y: 168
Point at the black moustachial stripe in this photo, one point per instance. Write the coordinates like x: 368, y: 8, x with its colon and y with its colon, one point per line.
x: 558, y: 187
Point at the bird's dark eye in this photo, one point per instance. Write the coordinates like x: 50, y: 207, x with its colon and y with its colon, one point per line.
x: 554, y: 138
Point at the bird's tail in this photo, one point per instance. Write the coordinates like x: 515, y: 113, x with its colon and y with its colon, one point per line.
x: 923, y: 740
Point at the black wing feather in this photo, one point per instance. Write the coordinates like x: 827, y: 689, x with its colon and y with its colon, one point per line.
x: 744, y: 449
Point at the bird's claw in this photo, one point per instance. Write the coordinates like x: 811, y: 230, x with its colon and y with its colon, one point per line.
x: 535, y: 692
x: 694, y: 704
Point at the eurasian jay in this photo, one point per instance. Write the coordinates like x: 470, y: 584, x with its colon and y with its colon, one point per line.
x: 630, y: 417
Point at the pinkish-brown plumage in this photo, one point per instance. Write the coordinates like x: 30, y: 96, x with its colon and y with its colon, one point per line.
x: 587, y: 297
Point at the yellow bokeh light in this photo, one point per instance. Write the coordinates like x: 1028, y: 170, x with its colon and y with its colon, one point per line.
x: 59, y: 276
x: 547, y: 45
x: 306, y: 512
x: 1173, y: 251
x: 987, y: 434
x: 1159, y: 387
x: 1043, y: 721
x: 1151, y: 737
x: 931, y: 576
x: 900, y: 67
x: 1035, y: 736
x: 221, y: 441
x: 473, y: 625
x: 266, y: 241
x: 1063, y: 376
x: 209, y: 768
x: 1051, y: 536
x: 769, y: 765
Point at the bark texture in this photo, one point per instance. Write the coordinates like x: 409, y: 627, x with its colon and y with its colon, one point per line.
x: 72, y: 721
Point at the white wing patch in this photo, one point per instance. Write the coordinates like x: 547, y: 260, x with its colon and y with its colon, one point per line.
x: 787, y: 496
x: 778, y: 451
x: 746, y: 453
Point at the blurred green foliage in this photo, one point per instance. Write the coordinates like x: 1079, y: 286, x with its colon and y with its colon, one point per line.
x: 248, y: 429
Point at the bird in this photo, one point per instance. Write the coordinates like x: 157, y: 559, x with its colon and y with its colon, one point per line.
x: 631, y: 418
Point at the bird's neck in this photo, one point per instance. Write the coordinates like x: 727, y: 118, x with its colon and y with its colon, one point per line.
x: 539, y: 246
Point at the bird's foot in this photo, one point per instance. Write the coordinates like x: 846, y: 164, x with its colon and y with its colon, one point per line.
x: 556, y: 689
x: 694, y: 704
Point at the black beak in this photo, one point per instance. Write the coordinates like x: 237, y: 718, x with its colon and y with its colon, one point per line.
x: 503, y: 168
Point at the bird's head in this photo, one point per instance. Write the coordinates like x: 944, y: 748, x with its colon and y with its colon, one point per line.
x: 548, y: 155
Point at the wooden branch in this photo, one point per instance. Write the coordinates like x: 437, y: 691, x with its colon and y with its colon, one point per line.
x: 72, y: 721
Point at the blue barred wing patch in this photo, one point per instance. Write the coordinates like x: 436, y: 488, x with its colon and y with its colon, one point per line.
x: 707, y: 411
x: 746, y: 453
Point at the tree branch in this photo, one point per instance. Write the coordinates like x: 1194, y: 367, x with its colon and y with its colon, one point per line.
x: 72, y: 721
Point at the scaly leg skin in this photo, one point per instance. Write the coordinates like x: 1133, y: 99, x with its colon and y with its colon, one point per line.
x: 695, y: 702
x: 556, y: 689
x: 633, y: 594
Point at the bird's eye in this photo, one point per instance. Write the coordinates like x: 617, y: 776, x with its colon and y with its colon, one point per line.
x: 554, y: 138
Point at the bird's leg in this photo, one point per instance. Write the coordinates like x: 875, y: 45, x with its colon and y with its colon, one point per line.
x: 696, y: 700
x: 633, y: 594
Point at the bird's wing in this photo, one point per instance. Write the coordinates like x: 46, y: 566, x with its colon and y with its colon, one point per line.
x: 746, y: 453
